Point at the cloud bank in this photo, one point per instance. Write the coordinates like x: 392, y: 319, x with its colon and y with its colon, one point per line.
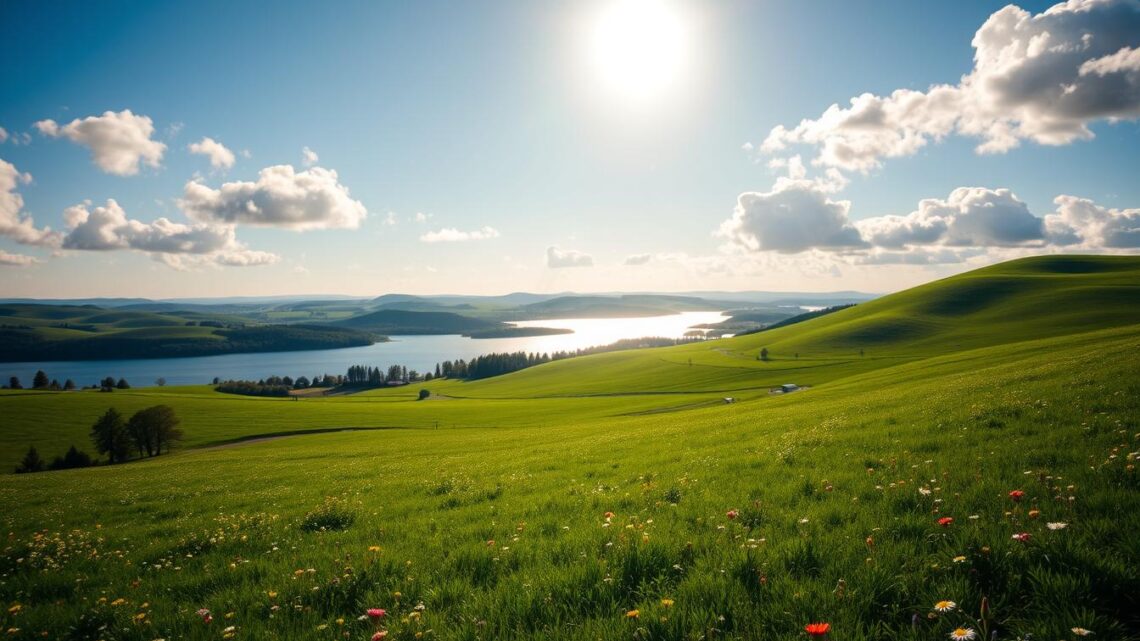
x: 119, y: 142
x: 14, y: 223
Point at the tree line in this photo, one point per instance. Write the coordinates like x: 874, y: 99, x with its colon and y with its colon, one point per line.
x: 148, y: 432
x: 41, y: 382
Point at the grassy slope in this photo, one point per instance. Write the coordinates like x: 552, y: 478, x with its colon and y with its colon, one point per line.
x: 1055, y: 416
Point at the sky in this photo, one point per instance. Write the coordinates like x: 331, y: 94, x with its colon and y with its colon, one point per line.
x: 169, y: 150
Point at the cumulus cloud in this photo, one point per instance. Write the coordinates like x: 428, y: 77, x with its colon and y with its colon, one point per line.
x: 281, y: 197
x: 16, y: 260
x: 797, y: 215
x: 969, y: 217
x: 421, y: 217
x: 1082, y: 221
x: 558, y: 258
x: 107, y: 228
x: 453, y: 235
x: 3, y: 135
x: 14, y: 223
x: 1041, y: 77
x: 220, y: 157
x: 309, y: 157
x: 637, y: 259
x: 119, y: 142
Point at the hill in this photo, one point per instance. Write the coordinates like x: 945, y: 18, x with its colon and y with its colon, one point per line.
x: 985, y: 461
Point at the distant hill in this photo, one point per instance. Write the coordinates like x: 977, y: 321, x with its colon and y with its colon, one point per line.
x: 398, y: 321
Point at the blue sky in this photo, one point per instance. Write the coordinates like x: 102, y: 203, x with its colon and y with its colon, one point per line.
x: 490, y: 115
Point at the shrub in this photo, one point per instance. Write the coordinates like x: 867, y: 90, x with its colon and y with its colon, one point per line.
x: 331, y: 515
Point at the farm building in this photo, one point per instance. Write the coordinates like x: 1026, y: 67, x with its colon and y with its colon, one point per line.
x: 789, y: 387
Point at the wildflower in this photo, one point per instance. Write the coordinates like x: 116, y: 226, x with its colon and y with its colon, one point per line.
x: 1057, y: 526
x: 963, y: 634
x: 205, y: 615
x: 945, y: 521
x: 1021, y: 536
x: 609, y: 515
x: 668, y: 603
x: 817, y: 629
x: 959, y: 559
x: 945, y: 606
x: 1081, y: 632
x: 271, y: 594
x: 1016, y: 495
x: 632, y: 614
x: 380, y: 635
x: 119, y: 601
x: 732, y: 514
x: 375, y: 613
x: 923, y: 491
x: 373, y: 548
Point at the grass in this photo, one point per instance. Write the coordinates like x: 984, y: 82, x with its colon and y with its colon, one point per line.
x: 496, y: 523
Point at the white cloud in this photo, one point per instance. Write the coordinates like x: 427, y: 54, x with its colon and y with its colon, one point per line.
x: 797, y: 215
x: 1043, y: 77
x: 637, y: 259
x: 14, y: 223
x: 969, y: 217
x: 453, y: 235
x: 390, y: 219
x: 118, y: 141
x: 107, y: 228
x: 558, y: 258
x: 3, y: 135
x: 220, y: 157
x: 281, y: 197
x: 1081, y: 221
x: 421, y: 217
x: 16, y: 260
x: 309, y: 157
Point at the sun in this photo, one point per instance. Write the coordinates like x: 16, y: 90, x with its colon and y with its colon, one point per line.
x: 638, y: 49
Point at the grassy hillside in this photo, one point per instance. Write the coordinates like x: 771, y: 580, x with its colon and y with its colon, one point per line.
x: 618, y: 496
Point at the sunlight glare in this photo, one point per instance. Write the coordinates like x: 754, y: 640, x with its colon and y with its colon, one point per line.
x: 638, y: 48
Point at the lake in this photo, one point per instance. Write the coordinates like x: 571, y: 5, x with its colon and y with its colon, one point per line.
x: 416, y: 352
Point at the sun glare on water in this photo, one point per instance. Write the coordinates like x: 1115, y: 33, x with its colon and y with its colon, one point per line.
x: 638, y: 49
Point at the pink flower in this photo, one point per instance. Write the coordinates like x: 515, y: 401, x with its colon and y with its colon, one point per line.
x: 380, y: 636
x: 1021, y: 536
x: 375, y: 613
x: 205, y: 615
x: 732, y: 514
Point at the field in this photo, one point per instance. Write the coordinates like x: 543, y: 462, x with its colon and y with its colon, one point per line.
x: 618, y: 496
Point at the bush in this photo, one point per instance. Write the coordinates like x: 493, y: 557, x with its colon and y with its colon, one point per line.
x: 424, y: 394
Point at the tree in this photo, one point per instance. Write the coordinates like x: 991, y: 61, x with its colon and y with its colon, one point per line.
x: 71, y: 460
x: 154, y: 428
x: 160, y: 381
x: 110, y: 437
x: 123, y: 384
x: 763, y: 353
x: 69, y: 385
x: 31, y: 462
x: 107, y: 384
x: 14, y: 383
x: 424, y: 393
x: 40, y: 381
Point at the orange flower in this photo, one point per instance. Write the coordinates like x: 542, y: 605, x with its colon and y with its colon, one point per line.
x: 632, y: 614
x: 817, y: 629
x: 1016, y: 495
x: 945, y: 521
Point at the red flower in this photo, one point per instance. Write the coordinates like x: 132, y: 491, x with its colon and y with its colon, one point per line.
x: 817, y: 629
x: 1016, y: 495
x: 732, y: 514
x: 609, y: 515
x: 375, y: 613
x: 1021, y: 536
x: 945, y: 521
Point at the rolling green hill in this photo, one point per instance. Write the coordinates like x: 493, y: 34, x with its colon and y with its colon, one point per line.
x: 619, y: 496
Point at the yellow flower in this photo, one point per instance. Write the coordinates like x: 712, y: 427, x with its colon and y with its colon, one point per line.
x: 632, y: 614
x: 340, y: 621
x: 959, y: 559
x: 667, y: 602
x: 15, y: 609
x: 272, y: 594
x: 1081, y: 632
x: 373, y: 548
x: 119, y: 601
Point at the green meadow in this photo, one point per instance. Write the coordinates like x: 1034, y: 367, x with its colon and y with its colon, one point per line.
x: 970, y: 441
